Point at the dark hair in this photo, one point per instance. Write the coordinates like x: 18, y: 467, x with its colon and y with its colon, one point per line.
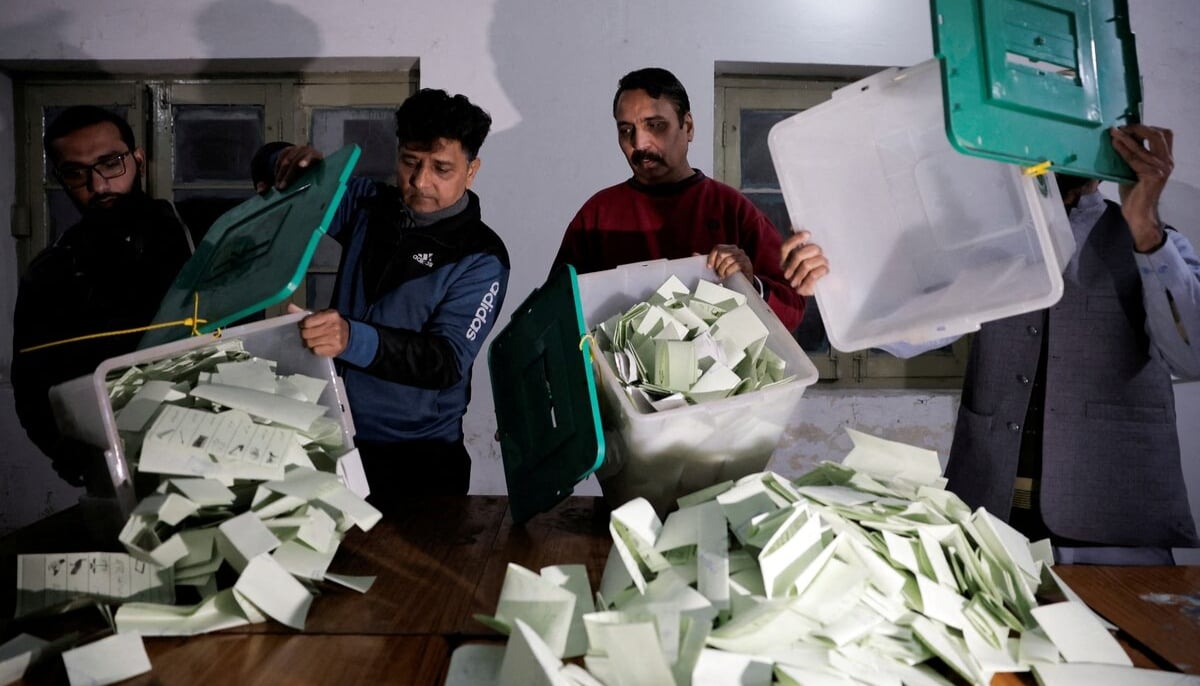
x: 262, y: 165
x: 657, y: 83
x: 1070, y: 182
x: 430, y: 114
x: 72, y: 119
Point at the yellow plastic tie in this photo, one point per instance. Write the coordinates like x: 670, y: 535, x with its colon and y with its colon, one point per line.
x: 1038, y: 169
x: 192, y: 322
x: 585, y: 338
x: 196, y: 313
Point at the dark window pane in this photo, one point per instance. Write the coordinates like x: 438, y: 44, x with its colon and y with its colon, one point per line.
x: 811, y: 332
x: 49, y: 114
x: 372, y: 128
x: 200, y: 208
x: 62, y: 213
x: 216, y: 142
x: 773, y: 206
x: 320, y: 291
x: 757, y: 169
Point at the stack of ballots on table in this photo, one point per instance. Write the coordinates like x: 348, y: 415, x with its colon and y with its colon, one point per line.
x: 865, y: 572
x: 253, y: 489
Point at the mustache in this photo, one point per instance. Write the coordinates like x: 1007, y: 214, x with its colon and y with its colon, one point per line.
x: 640, y: 156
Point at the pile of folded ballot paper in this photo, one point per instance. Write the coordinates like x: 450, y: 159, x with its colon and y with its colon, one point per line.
x: 864, y: 572
x: 242, y: 511
x: 683, y: 347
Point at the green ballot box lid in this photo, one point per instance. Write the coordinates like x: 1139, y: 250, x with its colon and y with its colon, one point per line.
x: 256, y: 254
x: 547, y: 413
x: 1035, y: 81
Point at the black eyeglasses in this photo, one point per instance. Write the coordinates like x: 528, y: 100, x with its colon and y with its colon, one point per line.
x: 78, y: 175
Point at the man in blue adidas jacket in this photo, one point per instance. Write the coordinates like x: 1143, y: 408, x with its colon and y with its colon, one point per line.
x: 421, y: 282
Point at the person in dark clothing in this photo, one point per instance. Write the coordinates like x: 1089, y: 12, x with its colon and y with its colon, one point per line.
x: 1067, y: 426
x: 669, y: 209
x: 420, y: 285
x: 107, y: 273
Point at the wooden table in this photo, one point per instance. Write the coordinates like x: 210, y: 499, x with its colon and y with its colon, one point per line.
x: 440, y: 561
x: 1156, y: 609
x: 437, y: 562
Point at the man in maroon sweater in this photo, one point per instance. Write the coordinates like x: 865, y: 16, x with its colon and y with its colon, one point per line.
x: 670, y: 209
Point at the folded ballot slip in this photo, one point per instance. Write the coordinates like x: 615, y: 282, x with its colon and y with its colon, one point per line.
x: 685, y: 347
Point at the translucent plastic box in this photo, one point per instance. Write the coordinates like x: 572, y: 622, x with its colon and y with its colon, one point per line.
x: 923, y: 241
x: 83, y: 410
x: 663, y: 455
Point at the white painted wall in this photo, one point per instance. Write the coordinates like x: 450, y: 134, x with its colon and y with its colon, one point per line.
x: 546, y: 70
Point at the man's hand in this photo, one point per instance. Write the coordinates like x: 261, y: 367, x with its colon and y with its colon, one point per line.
x: 1147, y: 150
x: 292, y: 162
x: 730, y: 259
x: 325, y: 332
x: 803, y: 263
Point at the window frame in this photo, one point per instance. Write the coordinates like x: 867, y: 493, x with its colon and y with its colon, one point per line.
x: 165, y: 94
x: 323, y: 91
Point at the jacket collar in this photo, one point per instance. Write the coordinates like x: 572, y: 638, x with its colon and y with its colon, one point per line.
x: 431, y: 218
x: 448, y: 229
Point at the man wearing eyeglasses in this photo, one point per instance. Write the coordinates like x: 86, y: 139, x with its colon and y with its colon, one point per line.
x: 107, y: 273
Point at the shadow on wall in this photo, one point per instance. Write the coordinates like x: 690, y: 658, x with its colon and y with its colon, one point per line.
x: 42, y: 34
x: 247, y: 29
x: 549, y: 77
